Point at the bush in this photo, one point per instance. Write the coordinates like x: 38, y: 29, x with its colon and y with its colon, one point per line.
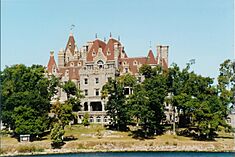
x: 28, y: 149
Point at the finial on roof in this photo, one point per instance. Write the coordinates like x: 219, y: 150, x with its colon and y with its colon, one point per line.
x: 150, y: 44
x: 71, y: 29
x: 95, y: 35
x: 52, y: 53
x: 110, y: 35
x: 119, y: 38
x: 104, y: 39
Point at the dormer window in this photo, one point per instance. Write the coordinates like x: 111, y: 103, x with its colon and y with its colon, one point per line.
x: 108, y: 53
x: 71, y: 64
x: 93, y: 54
x: 79, y: 64
x: 100, y: 64
x: 124, y: 63
x: 126, y: 70
x: 135, y: 62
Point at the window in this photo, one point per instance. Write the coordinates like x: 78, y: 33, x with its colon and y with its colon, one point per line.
x: 100, y: 64
x: 93, y: 54
x: 98, y: 119
x: 85, y: 81
x: 91, y: 119
x: 135, y: 62
x: 86, y: 92
x: 108, y: 53
x: 126, y: 91
x: 71, y: 64
x: 126, y: 70
x: 109, y: 78
x: 105, y: 119
x: 96, y: 80
x: 97, y: 92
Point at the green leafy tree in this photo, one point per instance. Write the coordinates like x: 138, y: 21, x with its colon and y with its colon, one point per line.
x: 116, y: 105
x: 73, y: 94
x: 155, y: 84
x: 25, y: 89
x: 85, y: 120
x: 226, y: 83
x: 57, y: 134
x: 63, y: 113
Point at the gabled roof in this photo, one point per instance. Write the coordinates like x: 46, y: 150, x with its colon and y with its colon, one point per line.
x: 150, y: 58
x: 94, y: 48
x: 110, y: 48
x: 70, y: 44
x: 51, y: 64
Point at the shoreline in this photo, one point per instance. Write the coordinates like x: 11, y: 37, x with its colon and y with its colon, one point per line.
x: 127, y: 150
x: 105, y: 151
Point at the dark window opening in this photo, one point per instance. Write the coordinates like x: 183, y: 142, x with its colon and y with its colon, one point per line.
x: 96, y: 106
x: 96, y: 80
x: 85, y: 81
x: 85, y: 106
x: 86, y: 92
x: 97, y: 92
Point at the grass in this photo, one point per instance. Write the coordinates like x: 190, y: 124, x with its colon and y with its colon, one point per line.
x: 96, y: 137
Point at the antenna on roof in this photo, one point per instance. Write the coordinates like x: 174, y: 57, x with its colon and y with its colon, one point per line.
x: 110, y: 35
x: 119, y: 38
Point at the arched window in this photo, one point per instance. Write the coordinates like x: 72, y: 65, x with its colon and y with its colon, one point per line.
x: 100, y: 64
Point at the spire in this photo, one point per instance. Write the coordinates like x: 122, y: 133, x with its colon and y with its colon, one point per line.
x: 70, y: 44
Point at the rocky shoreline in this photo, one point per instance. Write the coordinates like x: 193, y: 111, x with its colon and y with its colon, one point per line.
x: 135, y: 148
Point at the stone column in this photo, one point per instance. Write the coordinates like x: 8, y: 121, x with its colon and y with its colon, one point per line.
x: 89, y: 106
x: 102, y: 103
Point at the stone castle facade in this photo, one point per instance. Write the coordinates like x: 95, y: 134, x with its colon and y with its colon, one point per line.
x: 90, y: 67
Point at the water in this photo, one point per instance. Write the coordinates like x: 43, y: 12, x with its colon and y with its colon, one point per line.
x: 144, y: 154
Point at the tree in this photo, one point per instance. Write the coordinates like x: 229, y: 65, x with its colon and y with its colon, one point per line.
x: 63, y: 113
x: 73, y: 95
x: 116, y: 106
x: 57, y: 134
x: 226, y: 84
x: 25, y: 90
x: 155, y: 85
x: 85, y: 120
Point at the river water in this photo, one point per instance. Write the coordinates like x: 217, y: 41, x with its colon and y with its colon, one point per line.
x: 144, y: 154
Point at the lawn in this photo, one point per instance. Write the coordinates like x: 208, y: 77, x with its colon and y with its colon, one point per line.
x: 97, y: 138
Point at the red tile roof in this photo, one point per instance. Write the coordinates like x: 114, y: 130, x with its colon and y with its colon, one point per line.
x: 150, y: 58
x: 94, y: 48
x: 110, y: 48
x: 70, y: 44
x: 51, y: 64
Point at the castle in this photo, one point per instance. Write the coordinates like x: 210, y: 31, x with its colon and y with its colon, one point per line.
x: 93, y: 64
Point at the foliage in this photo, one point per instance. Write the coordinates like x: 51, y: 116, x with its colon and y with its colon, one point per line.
x: 63, y: 113
x: 85, y: 120
x: 25, y: 90
x: 116, y: 106
x: 226, y: 83
x: 57, y: 135
x: 73, y: 95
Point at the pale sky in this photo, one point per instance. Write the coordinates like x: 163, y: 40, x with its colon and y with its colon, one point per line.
x: 194, y: 29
